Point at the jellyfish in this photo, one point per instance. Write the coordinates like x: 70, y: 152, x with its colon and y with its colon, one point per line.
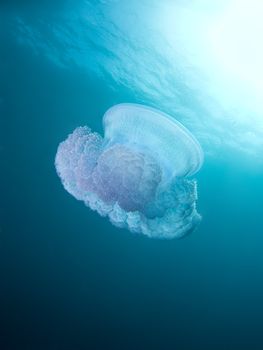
x: 139, y: 174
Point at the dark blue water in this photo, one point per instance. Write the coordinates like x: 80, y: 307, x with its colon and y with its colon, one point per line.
x: 69, y: 279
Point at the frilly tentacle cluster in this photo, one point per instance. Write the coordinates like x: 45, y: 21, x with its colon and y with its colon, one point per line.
x: 126, y: 186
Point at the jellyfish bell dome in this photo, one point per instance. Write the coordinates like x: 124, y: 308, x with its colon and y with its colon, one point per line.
x: 148, y: 130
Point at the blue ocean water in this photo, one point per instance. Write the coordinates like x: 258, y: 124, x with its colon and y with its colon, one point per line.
x: 69, y: 279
